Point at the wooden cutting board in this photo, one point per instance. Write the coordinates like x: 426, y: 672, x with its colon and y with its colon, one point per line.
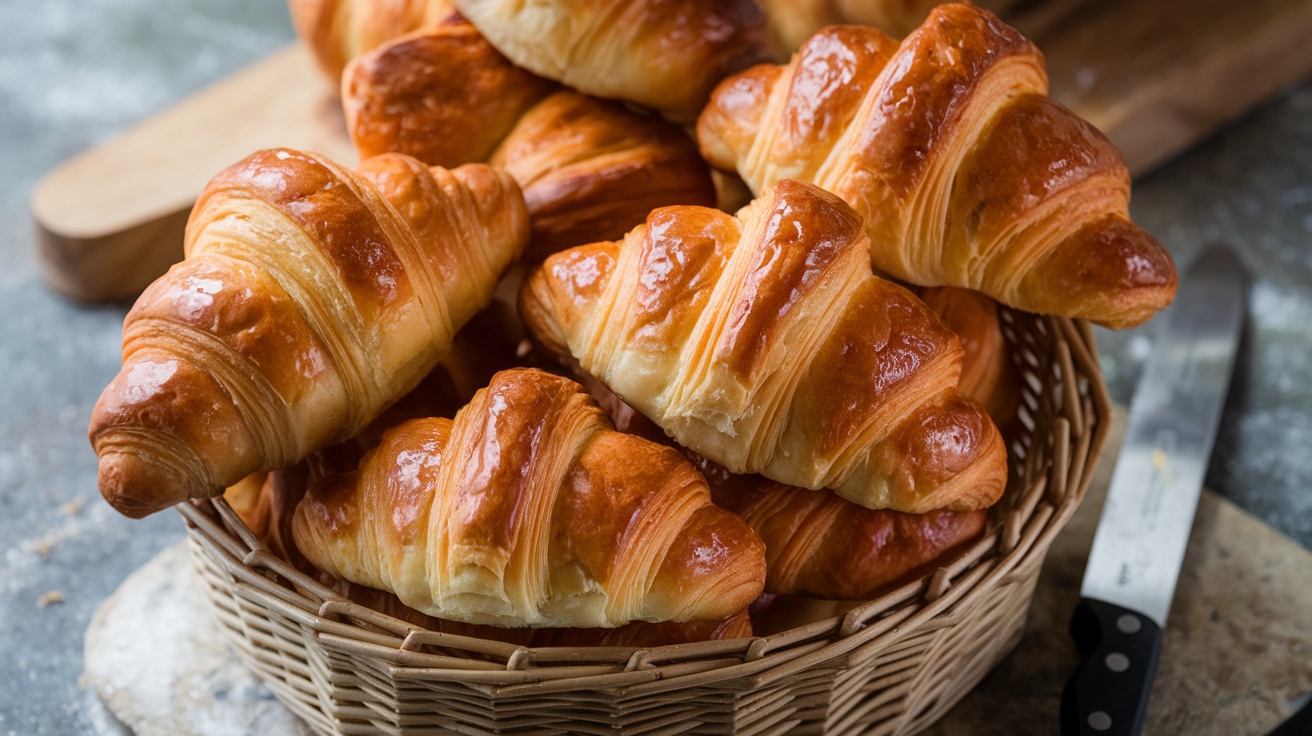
x: 1237, y: 648
x: 1155, y: 75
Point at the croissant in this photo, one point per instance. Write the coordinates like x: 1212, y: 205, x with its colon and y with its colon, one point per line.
x: 311, y: 298
x: 819, y: 544
x: 663, y: 54
x: 764, y: 343
x: 590, y: 169
x: 527, y: 509
x: 966, y: 173
x: 337, y: 31
x: 987, y: 373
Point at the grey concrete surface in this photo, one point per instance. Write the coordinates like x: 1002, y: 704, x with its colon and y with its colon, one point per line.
x: 73, y: 73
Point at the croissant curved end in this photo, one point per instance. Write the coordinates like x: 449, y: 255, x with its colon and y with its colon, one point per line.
x: 557, y: 294
x: 1118, y: 274
x: 719, y: 556
x: 136, y: 487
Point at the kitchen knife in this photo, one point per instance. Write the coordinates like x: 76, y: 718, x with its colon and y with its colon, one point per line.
x: 1140, y: 542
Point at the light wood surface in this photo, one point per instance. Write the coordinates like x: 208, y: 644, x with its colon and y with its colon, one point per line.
x: 110, y: 220
x: 1156, y: 75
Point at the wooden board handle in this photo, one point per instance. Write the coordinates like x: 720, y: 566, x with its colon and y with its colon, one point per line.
x: 110, y: 220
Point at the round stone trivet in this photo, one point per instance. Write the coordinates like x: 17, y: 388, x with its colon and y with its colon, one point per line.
x: 156, y: 658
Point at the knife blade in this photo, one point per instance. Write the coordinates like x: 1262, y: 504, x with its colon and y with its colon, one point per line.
x: 1141, y: 537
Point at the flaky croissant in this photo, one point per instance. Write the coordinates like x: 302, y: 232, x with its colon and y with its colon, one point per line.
x: 819, y: 544
x: 529, y: 510
x: 311, y: 298
x: 662, y: 54
x: 966, y: 173
x: 337, y: 31
x: 590, y: 169
x: 764, y: 343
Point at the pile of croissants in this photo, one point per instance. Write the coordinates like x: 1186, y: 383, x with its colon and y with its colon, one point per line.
x: 620, y: 326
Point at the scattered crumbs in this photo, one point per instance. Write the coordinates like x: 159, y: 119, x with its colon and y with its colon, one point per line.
x: 50, y: 597
x: 74, y: 507
x: 523, y: 348
x: 41, y: 547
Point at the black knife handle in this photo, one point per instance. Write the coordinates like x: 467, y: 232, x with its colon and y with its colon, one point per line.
x: 1108, y: 694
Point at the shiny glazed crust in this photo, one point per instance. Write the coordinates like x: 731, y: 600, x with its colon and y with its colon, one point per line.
x: 662, y: 54
x: 527, y: 509
x: 819, y: 544
x: 764, y: 343
x: 966, y: 173
x: 590, y: 169
x: 311, y: 298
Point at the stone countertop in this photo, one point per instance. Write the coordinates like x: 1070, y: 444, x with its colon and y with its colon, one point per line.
x: 73, y: 74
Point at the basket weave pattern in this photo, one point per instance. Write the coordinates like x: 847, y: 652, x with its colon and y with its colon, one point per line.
x: 892, y: 665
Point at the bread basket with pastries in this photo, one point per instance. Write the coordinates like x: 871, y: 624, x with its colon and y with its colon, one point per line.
x: 526, y: 425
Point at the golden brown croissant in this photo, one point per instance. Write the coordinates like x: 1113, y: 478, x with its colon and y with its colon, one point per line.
x: 529, y: 510
x: 819, y: 544
x: 987, y: 373
x: 794, y: 21
x: 966, y: 173
x: 765, y: 343
x: 340, y: 30
x: 662, y: 54
x: 310, y: 299
x: 590, y: 169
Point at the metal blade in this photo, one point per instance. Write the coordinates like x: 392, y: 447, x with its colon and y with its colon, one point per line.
x: 1141, y: 538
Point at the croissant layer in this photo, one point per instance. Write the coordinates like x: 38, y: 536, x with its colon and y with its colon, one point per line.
x: 527, y: 509
x: 764, y: 342
x: 590, y: 169
x: 662, y: 54
x: 311, y: 298
x: 965, y: 172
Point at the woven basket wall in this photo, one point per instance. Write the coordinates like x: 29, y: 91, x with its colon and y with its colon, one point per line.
x: 892, y: 665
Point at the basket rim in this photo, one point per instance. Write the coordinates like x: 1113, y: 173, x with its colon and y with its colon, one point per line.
x: 1021, y: 538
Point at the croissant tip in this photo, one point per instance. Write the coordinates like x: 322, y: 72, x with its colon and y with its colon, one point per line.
x: 135, y: 487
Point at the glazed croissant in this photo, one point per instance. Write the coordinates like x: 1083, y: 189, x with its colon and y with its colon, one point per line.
x: 966, y: 173
x: 764, y: 343
x: 663, y: 54
x: 337, y: 31
x: 529, y: 510
x: 590, y: 169
x: 817, y: 543
x: 311, y: 298
x: 821, y: 545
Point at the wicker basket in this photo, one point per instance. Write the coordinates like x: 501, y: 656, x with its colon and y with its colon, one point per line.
x: 892, y: 665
